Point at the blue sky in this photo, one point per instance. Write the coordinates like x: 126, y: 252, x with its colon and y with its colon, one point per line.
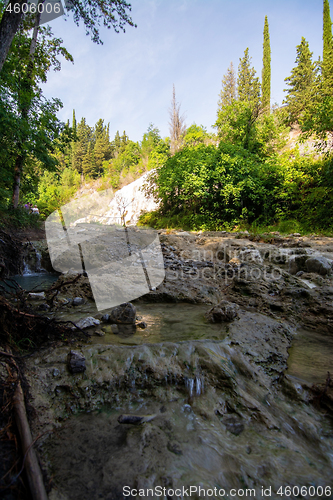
x: 190, y: 43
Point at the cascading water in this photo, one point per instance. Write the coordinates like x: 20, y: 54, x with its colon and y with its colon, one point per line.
x: 195, y: 386
x: 32, y: 261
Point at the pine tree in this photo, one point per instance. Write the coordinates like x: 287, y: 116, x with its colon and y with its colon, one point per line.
x: 177, y: 125
x: 301, y: 83
x: 228, y: 92
x: 123, y: 141
x: 327, y: 63
x: 84, y: 137
x: 266, y: 70
x: 248, y: 85
x: 88, y: 163
x: 116, y: 143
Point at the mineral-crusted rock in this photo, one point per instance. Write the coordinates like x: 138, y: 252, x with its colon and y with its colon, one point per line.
x: 224, y: 311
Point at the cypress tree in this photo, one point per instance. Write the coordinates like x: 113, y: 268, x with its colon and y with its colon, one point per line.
x: 301, y: 83
x: 266, y: 70
x: 327, y: 64
x: 74, y: 124
x: 228, y: 92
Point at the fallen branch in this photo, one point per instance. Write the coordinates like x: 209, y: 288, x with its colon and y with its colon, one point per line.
x: 32, y: 468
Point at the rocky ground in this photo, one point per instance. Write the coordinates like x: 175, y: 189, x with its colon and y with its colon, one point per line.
x: 221, y: 412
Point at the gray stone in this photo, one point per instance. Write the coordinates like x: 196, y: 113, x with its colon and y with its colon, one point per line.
x: 124, y: 313
x: 78, y: 301
x: 36, y: 296
x: 99, y: 333
x: 142, y: 324
x: 114, y: 329
x: 43, y: 307
x: 319, y: 265
x: 224, y: 311
x: 233, y: 425
x: 297, y: 263
x: 76, y: 362
x: 250, y: 255
x: 105, y: 318
x: 87, y: 322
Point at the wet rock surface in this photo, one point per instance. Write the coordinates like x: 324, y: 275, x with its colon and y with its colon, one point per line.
x: 227, y: 412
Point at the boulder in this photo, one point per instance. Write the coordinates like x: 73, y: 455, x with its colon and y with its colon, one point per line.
x: 124, y: 313
x: 319, y: 265
x: 224, y: 311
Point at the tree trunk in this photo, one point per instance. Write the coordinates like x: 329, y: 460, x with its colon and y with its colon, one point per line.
x: 20, y: 159
x: 9, y: 25
x: 17, y: 179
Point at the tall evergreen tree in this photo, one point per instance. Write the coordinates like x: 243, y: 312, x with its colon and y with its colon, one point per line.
x: 84, y: 137
x: 74, y: 124
x: 301, y: 82
x: 266, y: 70
x: 248, y: 85
x: 327, y: 63
x: 116, y: 143
x: 88, y: 163
x: 228, y: 92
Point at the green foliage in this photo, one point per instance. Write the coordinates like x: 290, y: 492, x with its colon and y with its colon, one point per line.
x: 29, y: 128
x: 301, y: 83
x: 195, y: 134
x: 266, y: 70
x: 248, y: 85
x: 203, y: 187
x: 228, y: 92
x: 327, y: 63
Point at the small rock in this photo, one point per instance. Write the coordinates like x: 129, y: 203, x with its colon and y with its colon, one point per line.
x: 99, y: 333
x: 233, y: 425
x: 114, y: 329
x: 105, y: 318
x: 43, y: 307
x: 174, y: 448
x: 234, y: 262
x: 56, y: 372
x: 78, y: 301
x: 299, y: 273
x: 224, y: 311
x: 36, y: 296
x: 124, y: 313
x: 76, y: 362
x: 135, y: 419
x: 62, y: 301
x: 142, y: 324
x: 86, y: 322
x: 319, y: 265
x: 297, y: 263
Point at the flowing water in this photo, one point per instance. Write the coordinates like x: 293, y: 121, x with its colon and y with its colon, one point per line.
x: 311, y: 356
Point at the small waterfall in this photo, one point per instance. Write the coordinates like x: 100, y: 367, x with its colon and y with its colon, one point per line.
x: 195, y: 386
x: 32, y: 261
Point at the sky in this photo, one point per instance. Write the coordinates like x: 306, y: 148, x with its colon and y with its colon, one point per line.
x: 128, y: 80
